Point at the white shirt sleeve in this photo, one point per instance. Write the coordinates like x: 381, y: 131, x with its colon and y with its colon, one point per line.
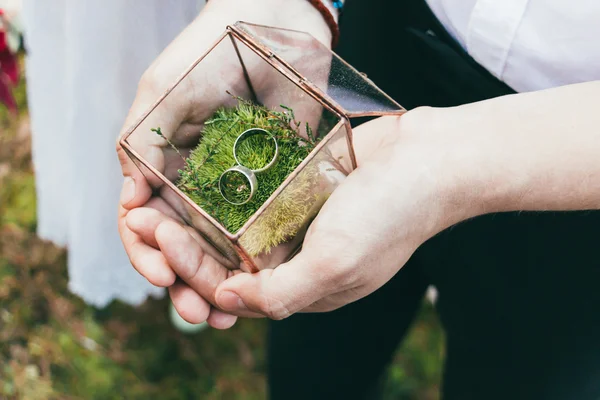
x: 529, y: 44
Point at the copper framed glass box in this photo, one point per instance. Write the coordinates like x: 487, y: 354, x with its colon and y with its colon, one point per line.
x: 280, y: 70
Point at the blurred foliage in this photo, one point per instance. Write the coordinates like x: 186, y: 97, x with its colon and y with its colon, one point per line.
x: 53, y: 346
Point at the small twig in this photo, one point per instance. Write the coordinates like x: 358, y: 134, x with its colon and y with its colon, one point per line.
x: 158, y: 131
x: 310, y: 134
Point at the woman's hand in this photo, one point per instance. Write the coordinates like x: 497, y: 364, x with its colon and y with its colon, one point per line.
x: 144, y: 219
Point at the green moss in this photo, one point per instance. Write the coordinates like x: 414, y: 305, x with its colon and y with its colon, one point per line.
x: 214, y: 154
x: 289, y: 213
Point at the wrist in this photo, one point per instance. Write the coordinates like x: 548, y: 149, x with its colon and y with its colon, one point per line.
x: 432, y: 145
x: 298, y: 15
x: 534, y: 151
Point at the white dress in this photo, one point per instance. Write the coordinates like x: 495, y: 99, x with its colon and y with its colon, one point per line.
x: 85, y: 58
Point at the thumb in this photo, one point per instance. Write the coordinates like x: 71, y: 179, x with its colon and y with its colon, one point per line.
x: 136, y: 190
x: 274, y: 293
x: 140, y: 150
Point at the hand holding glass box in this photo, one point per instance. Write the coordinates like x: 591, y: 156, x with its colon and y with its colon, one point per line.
x: 288, y: 90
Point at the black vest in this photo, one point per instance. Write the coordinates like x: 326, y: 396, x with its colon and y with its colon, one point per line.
x: 519, y: 292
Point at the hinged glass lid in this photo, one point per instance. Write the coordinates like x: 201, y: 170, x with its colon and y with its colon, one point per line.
x: 320, y: 70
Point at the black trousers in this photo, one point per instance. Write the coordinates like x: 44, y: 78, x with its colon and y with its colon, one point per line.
x: 519, y: 294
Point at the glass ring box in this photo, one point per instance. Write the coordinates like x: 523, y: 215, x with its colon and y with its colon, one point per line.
x: 251, y: 140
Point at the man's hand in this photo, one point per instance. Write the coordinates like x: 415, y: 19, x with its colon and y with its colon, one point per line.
x: 146, y: 222
x: 364, y: 234
x: 532, y: 152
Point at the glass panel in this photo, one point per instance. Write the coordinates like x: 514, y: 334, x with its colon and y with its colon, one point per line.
x: 167, y: 140
x: 351, y: 90
x: 217, y: 244
x: 279, y: 230
x: 273, y: 89
x: 180, y: 115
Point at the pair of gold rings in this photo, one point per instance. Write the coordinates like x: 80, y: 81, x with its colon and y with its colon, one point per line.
x: 239, y: 184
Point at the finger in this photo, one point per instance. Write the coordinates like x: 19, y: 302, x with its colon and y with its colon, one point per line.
x: 144, y: 220
x: 161, y: 205
x: 137, y: 140
x: 133, y: 150
x: 183, y: 250
x: 135, y: 190
x: 148, y: 261
x: 277, y: 293
x: 221, y: 320
x: 188, y: 260
x: 189, y: 304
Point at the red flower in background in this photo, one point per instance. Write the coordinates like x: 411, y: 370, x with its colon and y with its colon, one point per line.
x: 9, y: 68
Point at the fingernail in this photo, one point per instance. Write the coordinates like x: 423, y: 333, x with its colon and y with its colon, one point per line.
x: 230, y: 301
x: 128, y: 191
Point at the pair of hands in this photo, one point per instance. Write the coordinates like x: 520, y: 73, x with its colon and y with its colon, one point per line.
x: 363, y: 235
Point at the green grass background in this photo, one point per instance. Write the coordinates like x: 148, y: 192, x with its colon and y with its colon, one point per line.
x: 53, y: 346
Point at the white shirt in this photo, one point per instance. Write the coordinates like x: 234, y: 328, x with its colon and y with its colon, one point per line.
x: 529, y: 44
